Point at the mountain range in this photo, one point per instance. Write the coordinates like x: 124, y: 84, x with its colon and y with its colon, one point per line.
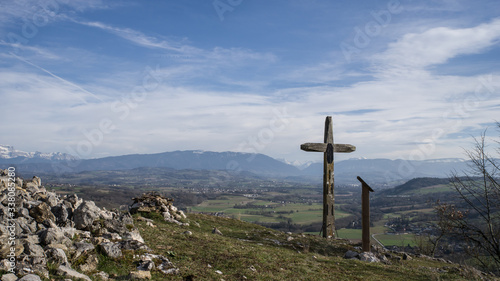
x: 8, y: 152
x: 375, y: 171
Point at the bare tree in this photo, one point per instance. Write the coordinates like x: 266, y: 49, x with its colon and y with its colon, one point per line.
x: 476, y: 219
x: 429, y: 241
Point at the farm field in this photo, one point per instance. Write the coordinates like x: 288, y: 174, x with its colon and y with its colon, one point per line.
x: 260, y: 210
x: 267, y: 208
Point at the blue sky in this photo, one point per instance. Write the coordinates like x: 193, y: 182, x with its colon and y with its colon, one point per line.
x: 402, y: 79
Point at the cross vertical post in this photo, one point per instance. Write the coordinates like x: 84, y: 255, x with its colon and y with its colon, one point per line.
x: 365, y: 214
x: 328, y: 148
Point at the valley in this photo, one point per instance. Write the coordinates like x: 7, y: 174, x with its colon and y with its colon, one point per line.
x: 398, y: 215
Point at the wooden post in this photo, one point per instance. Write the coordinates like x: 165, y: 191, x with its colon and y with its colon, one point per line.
x: 328, y: 148
x: 365, y: 214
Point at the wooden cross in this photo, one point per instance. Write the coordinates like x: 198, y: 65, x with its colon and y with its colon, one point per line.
x: 328, y: 148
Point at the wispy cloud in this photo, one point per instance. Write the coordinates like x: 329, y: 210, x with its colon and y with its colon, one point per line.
x: 137, y: 37
x: 416, y: 51
x: 187, y: 53
x: 385, y: 103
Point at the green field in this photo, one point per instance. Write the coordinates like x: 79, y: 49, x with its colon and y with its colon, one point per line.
x: 298, y: 213
x: 397, y: 240
x: 264, y: 210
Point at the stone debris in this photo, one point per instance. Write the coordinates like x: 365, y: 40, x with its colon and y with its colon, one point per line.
x: 111, y: 249
x: 153, y: 202
x: 140, y: 275
x: 216, y: 231
x: 10, y: 277
x: 368, y: 257
x: 165, y: 266
x: 101, y: 275
x: 63, y: 230
x: 66, y: 271
x: 351, y: 255
x: 30, y: 277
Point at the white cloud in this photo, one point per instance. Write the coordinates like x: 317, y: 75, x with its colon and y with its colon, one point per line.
x: 137, y: 37
x: 185, y: 112
x: 437, y: 45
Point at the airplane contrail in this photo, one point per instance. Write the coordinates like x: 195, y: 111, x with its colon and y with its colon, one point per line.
x: 57, y: 77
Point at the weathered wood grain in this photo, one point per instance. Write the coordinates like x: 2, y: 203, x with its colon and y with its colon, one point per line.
x: 328, y: 148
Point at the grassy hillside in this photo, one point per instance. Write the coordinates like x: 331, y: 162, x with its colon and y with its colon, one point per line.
x: 417, y: 184
x: 247, y: 251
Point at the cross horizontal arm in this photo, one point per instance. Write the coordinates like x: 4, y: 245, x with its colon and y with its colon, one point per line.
x: 344, y: 148
x: 316, y: 147
x: 321, y: 147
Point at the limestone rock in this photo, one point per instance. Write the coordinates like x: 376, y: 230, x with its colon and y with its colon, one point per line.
x: 56, y: 256
x: 146, y: 265
x: 133, y: 245
x: 83, y: 248
x: 115, y: 226
x: 42, y: 213
x: 101, y: 275
x: 368, y: 257
x: 51, y: 199
x: 351, y: 255
x: 154, y: 202
x: 407, y: 257
x: 51, y: 236
x: 33, y: 250
x: 133, y: 235
x: 9, y: 277
x: 46, y: 220
x: 90, y: 263
x: 61, y: 214
x: 167, y: 267
x: 106, y: 215
x: 110, y: 236
x: 74, y: 201
x: 384, y: 259
x: 216, y: 231
x: 139, y: 275
x: 34, y: 183
x: 30, y: 277
x: 126, y: 218
x: 85, y: 215
x: 111, y: 249
x: 66, y: 271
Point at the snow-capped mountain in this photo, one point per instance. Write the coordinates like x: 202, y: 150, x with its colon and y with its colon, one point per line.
x: 301, y: 165
x: 9, y: 152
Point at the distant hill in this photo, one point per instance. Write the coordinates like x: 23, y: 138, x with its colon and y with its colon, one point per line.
x: 259, y: 164
x: 414, y: 185
x: 378, y: 172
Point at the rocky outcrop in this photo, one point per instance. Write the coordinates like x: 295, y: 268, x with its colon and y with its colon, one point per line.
x: 38, y: 227
x: 154, y: 202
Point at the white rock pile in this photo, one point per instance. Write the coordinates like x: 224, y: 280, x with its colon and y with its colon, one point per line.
x: 154, y: 202
x: 38, y: 229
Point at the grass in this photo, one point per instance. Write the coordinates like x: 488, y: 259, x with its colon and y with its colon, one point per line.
x: 249, y: 251
x: 397, y: 240
x: 347, y: 233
